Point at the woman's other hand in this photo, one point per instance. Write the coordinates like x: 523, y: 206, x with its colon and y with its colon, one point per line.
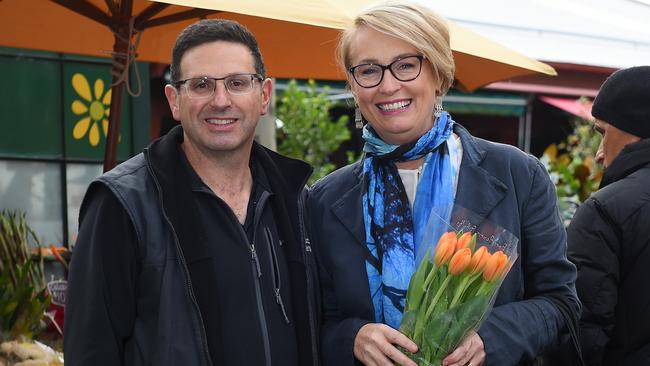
x: 376, y: 345
x: 469, y: 352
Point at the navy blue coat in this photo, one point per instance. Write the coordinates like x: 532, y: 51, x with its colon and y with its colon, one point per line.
x: 499, y: 183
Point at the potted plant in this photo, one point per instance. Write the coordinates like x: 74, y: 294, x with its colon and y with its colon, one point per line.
x: 23, y: 293
x: 572, y: 167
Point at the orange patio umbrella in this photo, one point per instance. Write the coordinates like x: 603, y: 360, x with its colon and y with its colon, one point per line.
x: 110, y: 28
x: 297, y: 38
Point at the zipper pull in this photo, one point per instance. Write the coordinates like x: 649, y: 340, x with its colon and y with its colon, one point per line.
x: 307, y: 245
x: 254, y: 258
x: 278, y: 299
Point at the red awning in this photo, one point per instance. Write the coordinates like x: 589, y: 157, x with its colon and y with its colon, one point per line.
x: 577, y: 107
x: 543, y: 89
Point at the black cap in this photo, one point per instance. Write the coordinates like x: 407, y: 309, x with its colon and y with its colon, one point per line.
x: 624, y: 101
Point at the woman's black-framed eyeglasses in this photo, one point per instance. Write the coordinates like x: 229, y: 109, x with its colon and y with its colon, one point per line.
x: 403, y: 69
x: 204, y: 87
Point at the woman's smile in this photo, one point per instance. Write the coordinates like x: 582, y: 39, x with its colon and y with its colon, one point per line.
x: 392, y: 107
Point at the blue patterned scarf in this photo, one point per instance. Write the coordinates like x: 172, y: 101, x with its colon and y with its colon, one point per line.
x: 393, y: 234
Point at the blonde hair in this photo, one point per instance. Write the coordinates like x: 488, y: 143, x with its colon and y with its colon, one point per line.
x: 415, y: 24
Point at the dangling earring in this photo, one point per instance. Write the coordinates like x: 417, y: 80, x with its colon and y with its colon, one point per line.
x: 437, y: 110
x: 358, y: 118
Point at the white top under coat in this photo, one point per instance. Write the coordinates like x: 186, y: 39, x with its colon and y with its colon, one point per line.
x: 411, y: 177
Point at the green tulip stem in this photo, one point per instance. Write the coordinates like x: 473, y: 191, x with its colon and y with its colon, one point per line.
x: 485, y: 288
x: 441, y: 290
x: 430, y: 277
x: 462, y: 286
x: 418, y: 323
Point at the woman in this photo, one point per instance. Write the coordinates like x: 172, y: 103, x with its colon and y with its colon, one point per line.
x: 365, y: 217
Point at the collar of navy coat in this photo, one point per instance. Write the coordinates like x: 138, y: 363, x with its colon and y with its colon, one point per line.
x: 478, y: 190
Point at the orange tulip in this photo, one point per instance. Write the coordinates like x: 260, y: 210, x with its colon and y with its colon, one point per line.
x: 479, y: 259
x: 464, y: 241
x: 506, y: 267
x: 495, y: 266
x: 445, y: 248
x: 448, y: 236
x: 460, y: 261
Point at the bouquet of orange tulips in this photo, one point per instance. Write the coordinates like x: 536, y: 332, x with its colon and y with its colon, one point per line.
x: 451, y: 294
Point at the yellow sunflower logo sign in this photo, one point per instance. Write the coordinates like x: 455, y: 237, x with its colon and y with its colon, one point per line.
x: 93, y: 108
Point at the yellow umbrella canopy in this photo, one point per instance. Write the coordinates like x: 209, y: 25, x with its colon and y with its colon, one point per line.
x: 297, y: 37
x: 479, y: 61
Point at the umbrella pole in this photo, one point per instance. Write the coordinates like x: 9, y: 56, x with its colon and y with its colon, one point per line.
x: 121, y: 59
x: 110, y: 154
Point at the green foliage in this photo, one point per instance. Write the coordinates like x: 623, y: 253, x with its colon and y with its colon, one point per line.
x: 572, y: 167
x: 23, y: 298
x: 308, y: 132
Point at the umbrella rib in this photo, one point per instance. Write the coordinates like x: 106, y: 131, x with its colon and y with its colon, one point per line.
x: 148, y: 13
x: 112, y: 6
x: 86, y: 9
x: 180, y: 16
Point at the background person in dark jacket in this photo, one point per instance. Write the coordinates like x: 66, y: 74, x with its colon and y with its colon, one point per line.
x: 194, y: 252
x: 609, y: 236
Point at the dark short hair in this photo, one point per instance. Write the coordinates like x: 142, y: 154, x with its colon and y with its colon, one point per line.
x: 212, y: 30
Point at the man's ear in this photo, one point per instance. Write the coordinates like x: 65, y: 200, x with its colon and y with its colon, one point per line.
x: 267, y: 90
x: 173, y: 98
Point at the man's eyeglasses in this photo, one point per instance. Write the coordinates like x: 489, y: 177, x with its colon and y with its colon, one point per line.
x: 403, y: 69
x: 204, y: 87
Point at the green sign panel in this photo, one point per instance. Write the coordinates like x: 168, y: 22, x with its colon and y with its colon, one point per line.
x: 30, y: 108
x: 86, y: 102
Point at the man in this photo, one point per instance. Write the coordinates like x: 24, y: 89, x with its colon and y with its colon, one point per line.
x: 609, y: 237
x: 194, y: 251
